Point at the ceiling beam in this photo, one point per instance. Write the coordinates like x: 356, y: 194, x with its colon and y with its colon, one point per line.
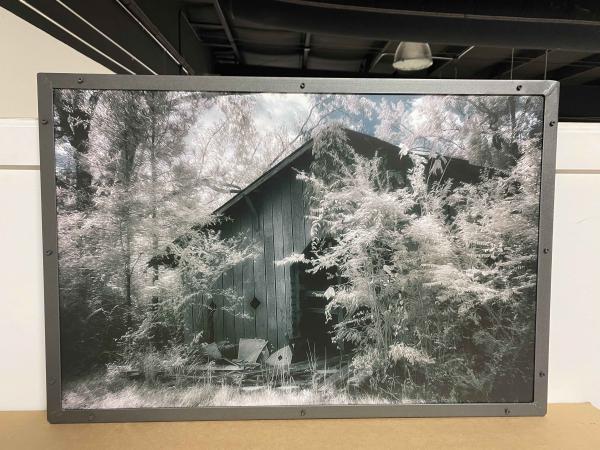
x: 207, y: 26
x: 583, y: 77
x: 192, y: 48
x: 227, y: 30
x: 139, y: 16
x: 273, y: 71
x: 392, y: 24
x: 388, y: 49
x: 585, y: 11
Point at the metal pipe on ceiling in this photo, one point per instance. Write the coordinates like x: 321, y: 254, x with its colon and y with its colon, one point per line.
x: 105, y: 36
x: 75, y: 36
x: 460, y: 56
x: 137, y: 14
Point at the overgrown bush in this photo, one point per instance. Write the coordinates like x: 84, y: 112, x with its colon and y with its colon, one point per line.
x: 438, y: 278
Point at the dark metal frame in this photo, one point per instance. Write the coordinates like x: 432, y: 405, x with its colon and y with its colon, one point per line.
x: 48, y: 82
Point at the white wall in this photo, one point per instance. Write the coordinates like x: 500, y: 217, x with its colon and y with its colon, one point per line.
x: 25, y: 51
x: 574, y: 366
x: 574, y: 373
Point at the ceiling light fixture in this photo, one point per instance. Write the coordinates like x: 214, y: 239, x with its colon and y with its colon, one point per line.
x: 411, y: 56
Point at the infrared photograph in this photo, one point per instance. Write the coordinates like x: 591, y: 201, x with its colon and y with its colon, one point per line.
x: 258, y: 249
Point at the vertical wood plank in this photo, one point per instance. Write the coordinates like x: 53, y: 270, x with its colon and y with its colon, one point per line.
x: 270, y: 281
x: 278, y: 243
x: 306, y: 213
x: 227, y: 283
x: 228, y: 314
x: 297, y: 215
x: 298, y: 236
x: 260, y: 289
x: 249, y: 224
x: 288, y: 249
x: 238, y: 282
x: 193, y: 315
x: 218, y: 315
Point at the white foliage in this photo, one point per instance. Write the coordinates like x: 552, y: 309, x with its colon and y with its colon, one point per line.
x: 402, y: 352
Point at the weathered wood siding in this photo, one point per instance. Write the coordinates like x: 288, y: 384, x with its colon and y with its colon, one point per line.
x: 279, y: 228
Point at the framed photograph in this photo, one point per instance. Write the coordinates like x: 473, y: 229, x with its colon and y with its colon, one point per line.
x: 268, y: 248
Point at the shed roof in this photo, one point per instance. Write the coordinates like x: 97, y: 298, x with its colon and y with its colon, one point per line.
x: 364, y: 144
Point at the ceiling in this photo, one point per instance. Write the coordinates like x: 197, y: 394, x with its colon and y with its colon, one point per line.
x: 558, y: 40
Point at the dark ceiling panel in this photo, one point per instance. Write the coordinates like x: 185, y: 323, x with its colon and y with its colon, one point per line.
x: 583, y: 10
x: 201, y: 12
x: 458, y: 29
x: 535, y: 67
x: 340, y: 53
x: 571, y: 71
x: 337, y: 42
x: 269, y: 37
x: 473, y: 62
x: 583, y: 77
x: 505, y: 69
x: 285, y: 61
x: 381, y: 62
x: 273, y: 48
x: 338, y: 38
x: 198, y: 55
x: 161, y: 21
x: 343, y: 65
x: 447, y: 50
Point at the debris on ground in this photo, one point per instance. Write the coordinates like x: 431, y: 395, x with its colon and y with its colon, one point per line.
x: 220, y: 367
x: 134, y: 374
x: 212, y: 351
x: 281, y: 358
x: 249, y: 350
x: 247, y: 371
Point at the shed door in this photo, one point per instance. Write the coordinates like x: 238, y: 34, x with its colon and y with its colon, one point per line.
x: 308, y: 311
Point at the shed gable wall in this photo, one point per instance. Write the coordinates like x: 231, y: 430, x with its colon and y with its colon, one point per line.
x: 280, y: 228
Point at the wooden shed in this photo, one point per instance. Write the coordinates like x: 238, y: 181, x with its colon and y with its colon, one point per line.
x: 284, y: 302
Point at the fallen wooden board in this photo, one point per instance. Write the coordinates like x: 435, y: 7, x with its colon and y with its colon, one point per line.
x: 281, y: 358
x: 250, y: 349
x: 219, y: 368
x: 212, y: 351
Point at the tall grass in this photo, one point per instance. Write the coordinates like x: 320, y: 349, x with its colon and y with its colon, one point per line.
x: 169, y: 379
x: 95, y: 394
